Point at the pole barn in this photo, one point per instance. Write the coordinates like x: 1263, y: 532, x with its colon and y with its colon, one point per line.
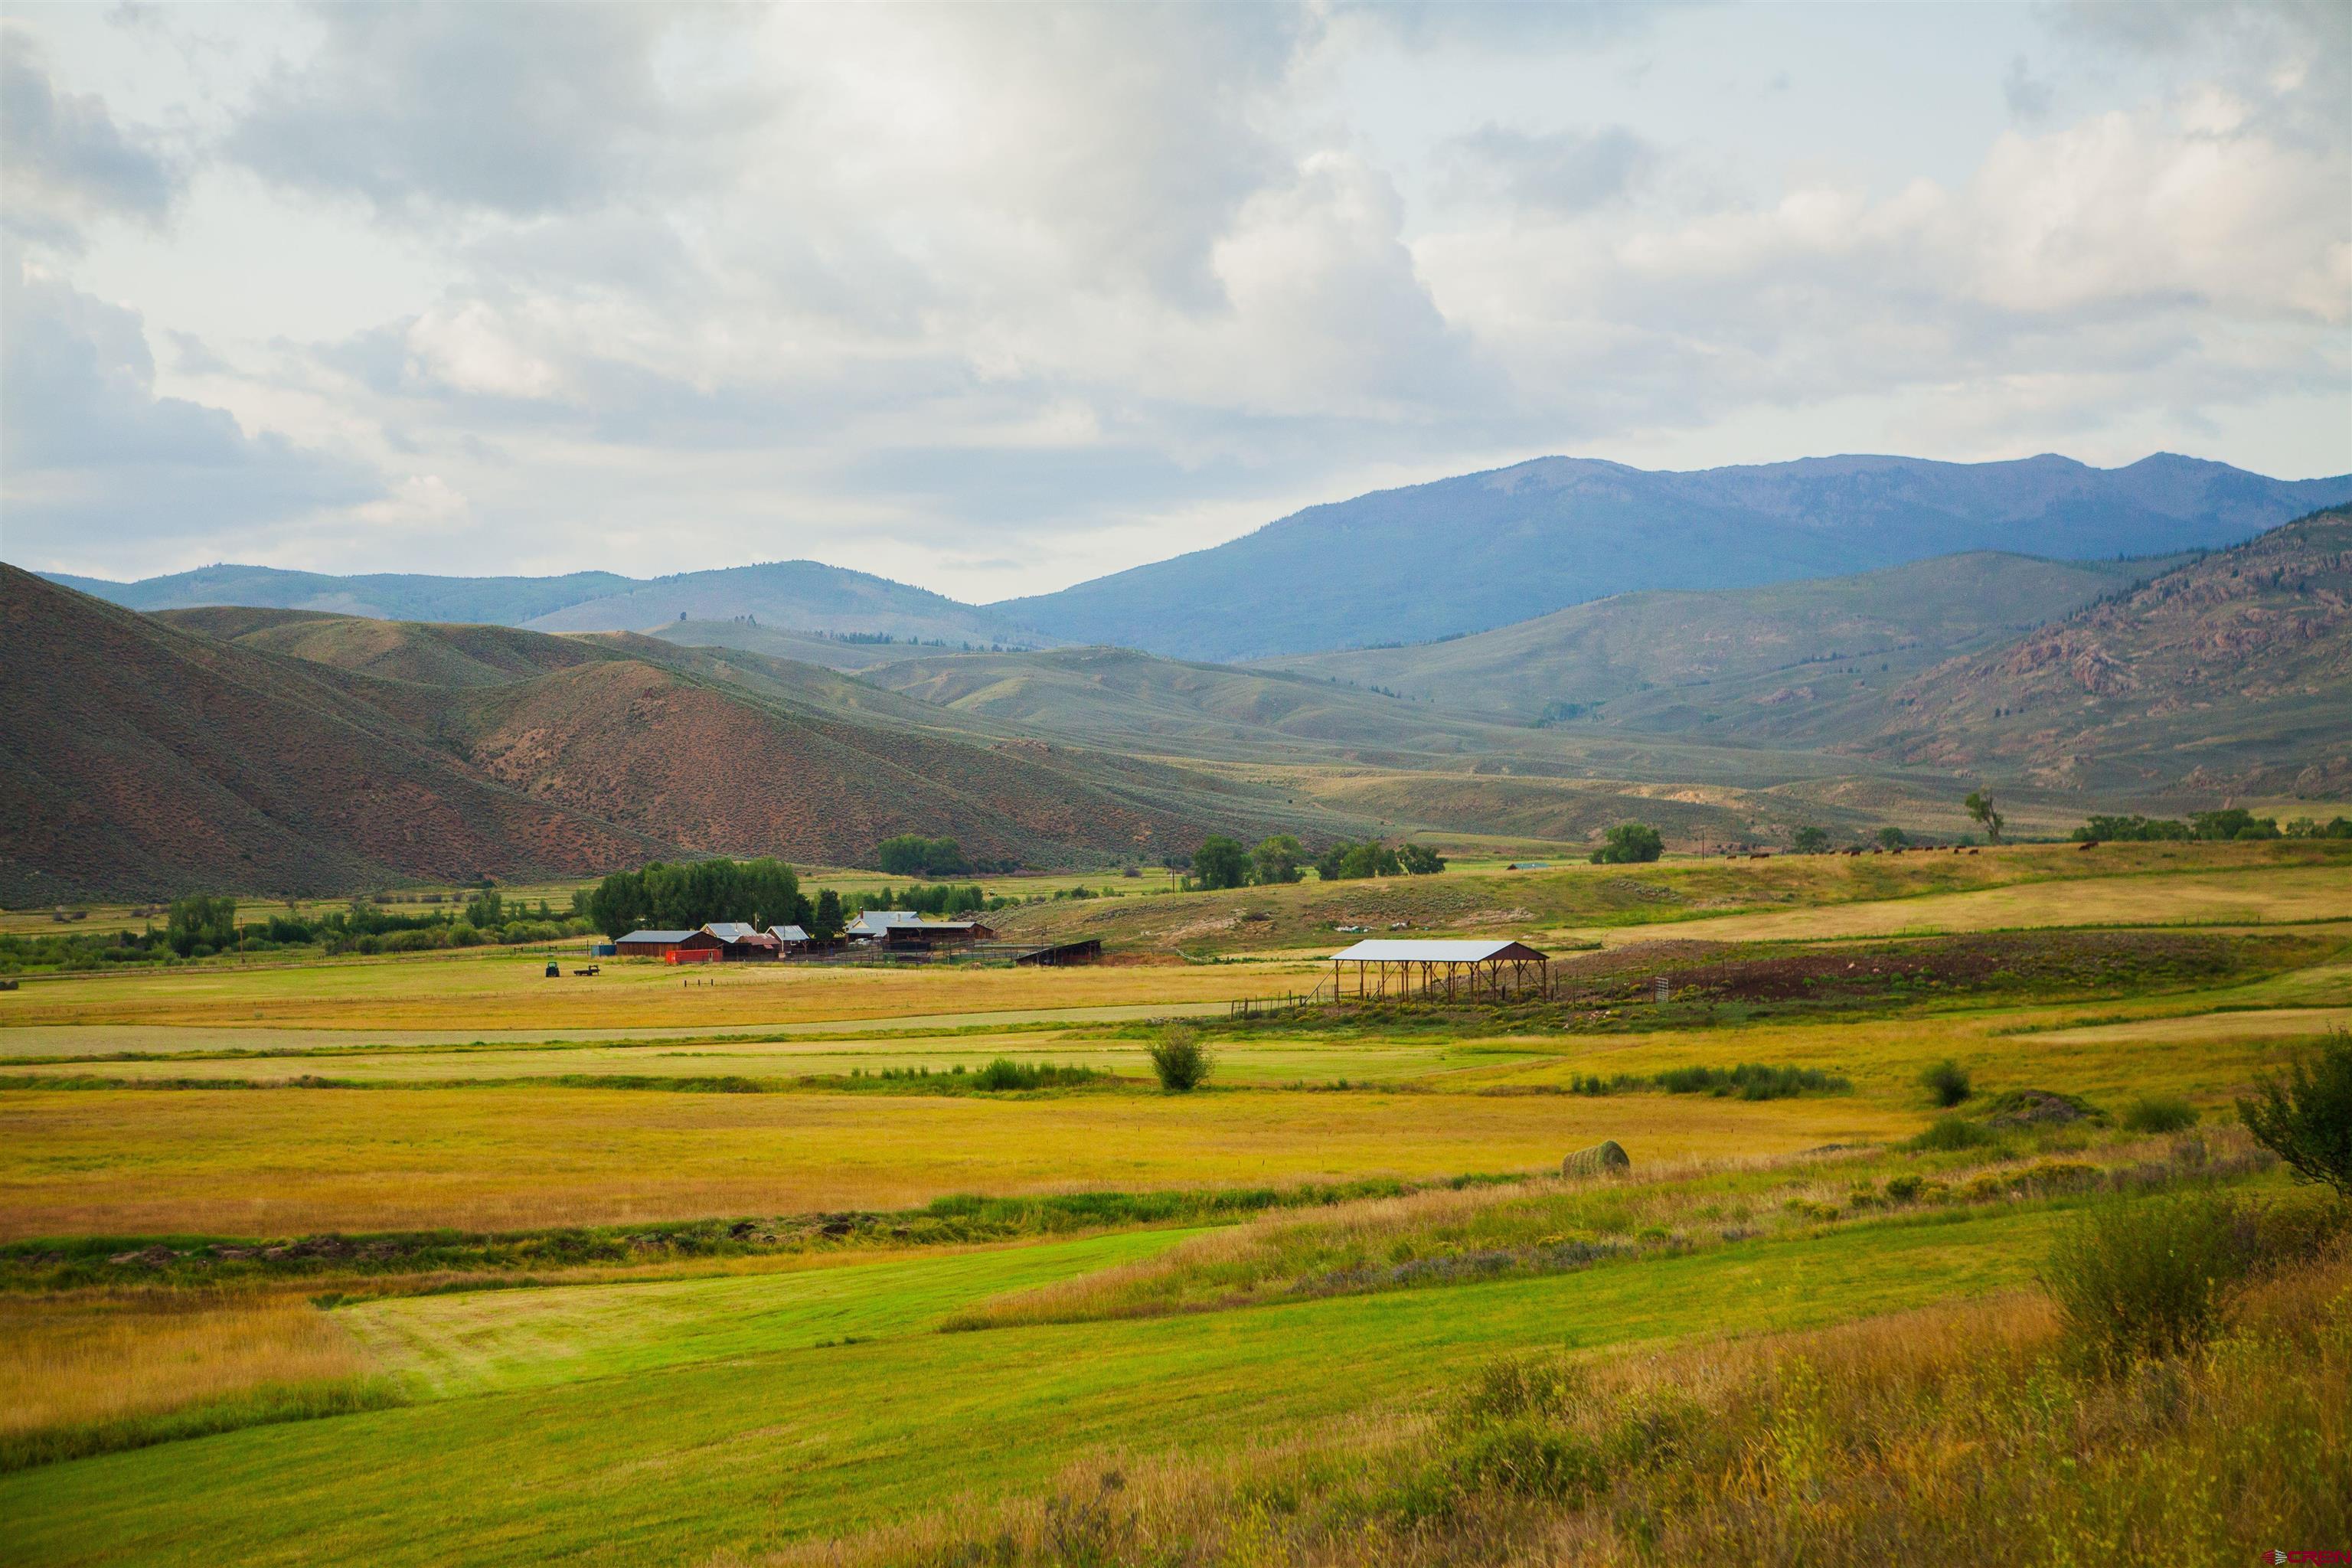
x: 1452, y: 971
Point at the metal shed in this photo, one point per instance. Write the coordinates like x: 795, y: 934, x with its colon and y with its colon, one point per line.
x: 1453, y: 970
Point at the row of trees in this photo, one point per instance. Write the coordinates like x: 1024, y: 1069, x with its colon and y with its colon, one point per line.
x: 1223, y: 862
x: 762, y: 892
x: 2234, y: 823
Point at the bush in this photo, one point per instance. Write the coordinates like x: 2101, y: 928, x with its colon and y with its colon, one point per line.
x: 1947, y: 1134
x: 1182, y: 1063
x: 2135, y: 1279
x: 2159, y: 1113
x: 1947, y: 1083
x: 1629, y: 842
x: 2306, y: 1117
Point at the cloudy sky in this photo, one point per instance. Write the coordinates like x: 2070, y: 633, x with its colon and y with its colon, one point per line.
x: 994, y: 298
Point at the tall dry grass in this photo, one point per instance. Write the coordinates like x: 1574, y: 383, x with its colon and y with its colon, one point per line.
x: 87, y: 1372
x: 1549, y: 1224
x: 1959, y: 1435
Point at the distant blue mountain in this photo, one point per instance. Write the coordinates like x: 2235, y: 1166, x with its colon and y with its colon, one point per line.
x: 799, y: 596
x: 1396, y: 567
x: 1486, y: 550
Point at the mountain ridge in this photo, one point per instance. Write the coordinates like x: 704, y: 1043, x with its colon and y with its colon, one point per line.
x: 1479, y: 550
x: 1454, y: 556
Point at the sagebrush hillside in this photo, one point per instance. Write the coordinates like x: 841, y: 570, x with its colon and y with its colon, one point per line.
x: 307, y: 753
x: 142, y: 759
x: 2233, y: 672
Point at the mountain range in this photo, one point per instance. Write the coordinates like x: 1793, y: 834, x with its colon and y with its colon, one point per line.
x: 1486, y: 550
x: 1460, y: 556
x: 279, y: 749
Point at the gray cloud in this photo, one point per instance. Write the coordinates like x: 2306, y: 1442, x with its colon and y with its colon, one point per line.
x: 1568, y: 171
x: 66, y: 158
x: 97, y: 466
x: 2028, y: 97
x: 518, y: 110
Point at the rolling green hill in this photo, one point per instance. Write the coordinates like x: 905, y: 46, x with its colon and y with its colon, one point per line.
x: 806, y: 647
x: 1667, y: 661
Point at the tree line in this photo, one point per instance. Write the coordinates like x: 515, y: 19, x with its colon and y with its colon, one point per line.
x: 1223, y: 862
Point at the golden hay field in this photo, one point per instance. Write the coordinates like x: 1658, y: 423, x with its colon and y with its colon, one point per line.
x: 291, y: 1162
x: 508, y: 991
x: 2280, y: 896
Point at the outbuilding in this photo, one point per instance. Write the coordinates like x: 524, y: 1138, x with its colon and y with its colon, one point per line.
x: 660, y: 943
x: 1450, y: 969
x: 926, y: 936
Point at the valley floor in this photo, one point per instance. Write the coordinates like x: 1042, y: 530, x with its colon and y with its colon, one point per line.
x: 440, y: 1261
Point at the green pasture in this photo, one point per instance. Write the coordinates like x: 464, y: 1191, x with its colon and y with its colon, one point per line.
x: 611, y: 1450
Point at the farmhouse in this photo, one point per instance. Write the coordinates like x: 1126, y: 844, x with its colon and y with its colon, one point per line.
x: 1465, y: 970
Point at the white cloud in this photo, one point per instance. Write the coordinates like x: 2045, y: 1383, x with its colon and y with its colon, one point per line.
x: 965, y: 285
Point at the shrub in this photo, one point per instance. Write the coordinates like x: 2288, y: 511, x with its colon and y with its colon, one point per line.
x: 1947, y: 1134
x: 1947, y: 1083
x: 2306, y: 1117
x: 2159, y: 1113
x: 1182, y: 1063
x: 2135, y: 1279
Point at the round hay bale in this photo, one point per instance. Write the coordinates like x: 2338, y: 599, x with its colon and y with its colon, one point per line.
x: 1603, y: 1159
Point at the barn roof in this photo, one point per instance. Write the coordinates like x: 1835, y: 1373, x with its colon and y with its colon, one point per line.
x: 788, y: 934
x: 731, y: 930
x: 1435, y: 951
x: 656, y: 936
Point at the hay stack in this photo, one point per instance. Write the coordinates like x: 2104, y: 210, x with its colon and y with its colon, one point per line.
x: 1603, y: 1159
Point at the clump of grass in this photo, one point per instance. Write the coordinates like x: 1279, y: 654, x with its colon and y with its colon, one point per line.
x: 2137, y: 1278
x: 2159, y: 1113
x: 1752, y: 1080
x: 1950, y: 1135
x: 1006, y: 1074
x: 1181, y: 1062
x: 1947, y: 1083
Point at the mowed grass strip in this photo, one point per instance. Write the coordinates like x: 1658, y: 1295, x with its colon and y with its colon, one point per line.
x: 751, y: 1450
x: 472, y: 1343
x: 291, y: 1163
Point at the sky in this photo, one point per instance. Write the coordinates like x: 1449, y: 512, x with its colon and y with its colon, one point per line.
x: 993, y: 299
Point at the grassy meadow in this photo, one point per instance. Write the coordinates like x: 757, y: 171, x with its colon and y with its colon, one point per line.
x: 433, y: 1259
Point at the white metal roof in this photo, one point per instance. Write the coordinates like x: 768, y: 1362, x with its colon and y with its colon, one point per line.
x: 788, y: 934
x: 1423, y: 951
x: 731, y: 930
x: 872, y: 921
x: 656, y: 936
